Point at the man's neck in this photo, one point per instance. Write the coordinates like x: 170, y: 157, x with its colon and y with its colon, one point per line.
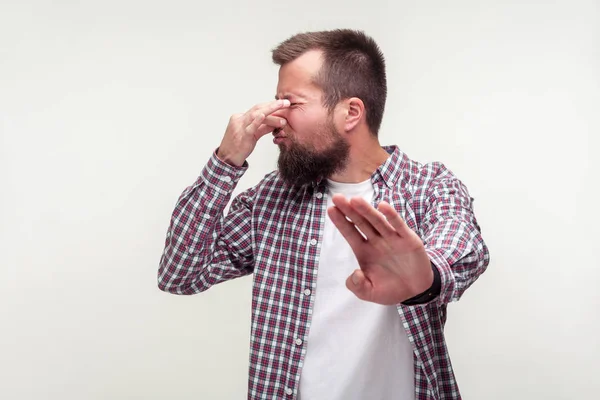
x: 363, y: 160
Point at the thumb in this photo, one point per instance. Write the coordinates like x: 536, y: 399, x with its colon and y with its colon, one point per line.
x: 358, y: 284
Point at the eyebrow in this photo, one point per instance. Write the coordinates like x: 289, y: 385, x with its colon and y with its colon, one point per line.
x: 288, y: 96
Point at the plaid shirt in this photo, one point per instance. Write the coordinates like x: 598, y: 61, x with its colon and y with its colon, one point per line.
x: 274, y: 231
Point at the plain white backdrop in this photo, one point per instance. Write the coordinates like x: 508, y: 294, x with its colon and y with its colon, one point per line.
x: 109, y: 109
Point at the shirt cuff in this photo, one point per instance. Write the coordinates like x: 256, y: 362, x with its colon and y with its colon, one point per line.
x: 447, y: 279
x: 220, y: 175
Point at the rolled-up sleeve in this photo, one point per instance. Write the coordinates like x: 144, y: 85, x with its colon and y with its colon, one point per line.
x: 450, y: 232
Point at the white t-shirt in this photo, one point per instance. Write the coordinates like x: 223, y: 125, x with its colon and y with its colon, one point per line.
x: 355, y: 349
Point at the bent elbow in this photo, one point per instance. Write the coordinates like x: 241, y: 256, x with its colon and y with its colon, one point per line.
x: 163, y: 286
x: 165, y: 280
x: 180, y: 285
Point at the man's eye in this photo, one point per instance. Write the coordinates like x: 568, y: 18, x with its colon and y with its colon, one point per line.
x: 293, y: 104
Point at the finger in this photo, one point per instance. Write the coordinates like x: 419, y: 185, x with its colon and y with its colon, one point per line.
x: 270, y: 107
x: 269, y: 125
x: 394, y: 219
x: 255, y: 124
x: 361, y: 223
x: 346, y: 228
x: 360, y: 285
x: 275, y: 122
x: 262, y: 131
x: 267, y: 108
x: 374, y: 217
x: 251, y: 114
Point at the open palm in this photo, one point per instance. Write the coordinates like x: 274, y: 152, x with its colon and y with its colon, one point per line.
x: 393, y: 263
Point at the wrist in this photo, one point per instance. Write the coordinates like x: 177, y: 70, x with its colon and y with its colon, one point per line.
x: 229, y: 159
x: 431, y: 292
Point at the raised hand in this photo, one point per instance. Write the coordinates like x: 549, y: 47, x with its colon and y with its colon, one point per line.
x: 393, y: 263
x: 244, y: 131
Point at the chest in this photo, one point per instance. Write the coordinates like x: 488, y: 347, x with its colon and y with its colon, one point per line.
x: 290, y: 232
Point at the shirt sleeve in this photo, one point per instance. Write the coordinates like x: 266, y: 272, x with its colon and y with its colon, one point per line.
x: 450, y: 232
x: 204, y: 246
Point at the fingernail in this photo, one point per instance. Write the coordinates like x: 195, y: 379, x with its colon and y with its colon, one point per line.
x: 283, y: 122
x: 354, y: 279
x: 286, y: 102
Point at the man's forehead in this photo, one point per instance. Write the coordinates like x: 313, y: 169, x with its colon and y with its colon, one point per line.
x: 297, y: 77
x: 310, y: 59
x: 302, y: 68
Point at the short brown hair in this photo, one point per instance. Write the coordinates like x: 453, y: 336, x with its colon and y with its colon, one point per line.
x: 353, y: 66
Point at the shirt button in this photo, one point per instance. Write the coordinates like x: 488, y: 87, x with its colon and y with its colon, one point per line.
x: 307, y: 292
x: 299, y: 341
x: 227, y: 179
x: 289, y: 391
x: 313, y: 242
x: 319, y: 195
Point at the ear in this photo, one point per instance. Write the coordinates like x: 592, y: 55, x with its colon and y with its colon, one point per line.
x: 354, y: 111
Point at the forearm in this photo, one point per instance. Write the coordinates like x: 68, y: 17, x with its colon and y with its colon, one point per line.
x: 196, y: 225
x: 458, y: 251
x: 452, y: 236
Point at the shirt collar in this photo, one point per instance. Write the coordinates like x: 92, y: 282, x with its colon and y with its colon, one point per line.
x: 389, y: 172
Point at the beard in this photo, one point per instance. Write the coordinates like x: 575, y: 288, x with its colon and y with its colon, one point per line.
x: 301, y: 165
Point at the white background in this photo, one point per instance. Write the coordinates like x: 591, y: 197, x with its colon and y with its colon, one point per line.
x: 109, y: 109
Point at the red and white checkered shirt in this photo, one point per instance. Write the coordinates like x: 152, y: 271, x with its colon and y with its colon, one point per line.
x: 275, y: 232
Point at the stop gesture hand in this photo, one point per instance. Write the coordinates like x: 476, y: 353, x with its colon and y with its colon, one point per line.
x: 393, y: 263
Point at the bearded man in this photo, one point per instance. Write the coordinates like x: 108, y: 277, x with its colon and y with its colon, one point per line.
x: 355, y: 249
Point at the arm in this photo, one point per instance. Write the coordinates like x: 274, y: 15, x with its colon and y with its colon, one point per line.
x: 451, y: 234
x: 398, y: 265
x: 203, y: 247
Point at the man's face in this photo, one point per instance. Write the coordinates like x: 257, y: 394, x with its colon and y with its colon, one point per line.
x: 310, y: 144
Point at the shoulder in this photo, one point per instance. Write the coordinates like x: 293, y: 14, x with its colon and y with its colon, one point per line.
x: 416, y: 174
x: 434, y: 172
x: 270, y: 182
x: 427, y: 181
x: 273, y: 187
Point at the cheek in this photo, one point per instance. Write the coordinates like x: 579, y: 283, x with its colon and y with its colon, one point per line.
x: 301, y: 122
x: 295, y: 120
